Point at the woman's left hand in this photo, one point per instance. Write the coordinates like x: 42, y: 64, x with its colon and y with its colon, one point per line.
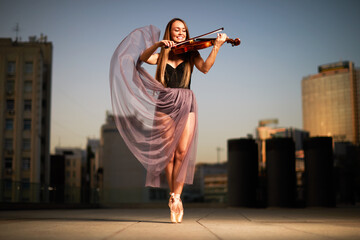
x: 220, y: 40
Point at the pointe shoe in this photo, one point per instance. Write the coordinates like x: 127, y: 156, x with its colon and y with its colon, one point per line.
x: 173, y: 217
x: 179, y: 208
x: 179, y: 216
x: 171, y: 206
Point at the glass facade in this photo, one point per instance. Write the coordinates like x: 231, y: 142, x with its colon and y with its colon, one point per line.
x: 329, y: 105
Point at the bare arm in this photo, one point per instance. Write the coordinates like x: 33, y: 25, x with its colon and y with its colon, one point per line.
x: 204, y: 67
x: 148, y: 55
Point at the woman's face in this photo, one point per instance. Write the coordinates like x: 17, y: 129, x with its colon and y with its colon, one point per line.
x: 178, y: 31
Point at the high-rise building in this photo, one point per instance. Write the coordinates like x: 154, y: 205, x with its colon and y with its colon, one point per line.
x: 331, y: 102
x: 25, y: 94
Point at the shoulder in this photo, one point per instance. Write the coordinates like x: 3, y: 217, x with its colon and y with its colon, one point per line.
x: 195, y: 53
x: 195, y: 57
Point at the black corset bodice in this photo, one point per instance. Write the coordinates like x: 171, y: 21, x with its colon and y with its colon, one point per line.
x: 173, y: 76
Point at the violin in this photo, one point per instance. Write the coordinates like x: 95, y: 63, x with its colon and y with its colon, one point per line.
x: 202, y: 43
x: 198, y: 43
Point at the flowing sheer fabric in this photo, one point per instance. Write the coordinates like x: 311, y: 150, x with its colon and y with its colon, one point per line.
x: 150, y: 117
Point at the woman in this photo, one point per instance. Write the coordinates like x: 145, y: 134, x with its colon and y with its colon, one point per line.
x: 173, y: 135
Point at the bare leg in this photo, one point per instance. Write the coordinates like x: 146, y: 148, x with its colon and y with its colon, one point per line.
x: 169, y: 174
x: 173, y: 170
x: 180, y: 152
x: 165, y: 120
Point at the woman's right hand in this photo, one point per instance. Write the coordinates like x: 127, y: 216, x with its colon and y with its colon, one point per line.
x: 148, y: 55
x: 167, y: 43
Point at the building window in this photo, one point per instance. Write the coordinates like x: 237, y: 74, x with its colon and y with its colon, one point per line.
x: 74, y: 163
x: 26, y: 163
x: 28, y: 67
x: 9, y: 124
x: 67, y: 174
x: 68, y: 162
x: 11, y: 68
x: 10, y: 104
x: 8, y: 184
x: 27, y: 124
x: 25, y: 183
x: 27, y: 105
x: 26, y: 144
x: 8, y: 144
x: 74, y: 174
x: 10, y: 86
x: 8, y: 163
x: 28, y: 86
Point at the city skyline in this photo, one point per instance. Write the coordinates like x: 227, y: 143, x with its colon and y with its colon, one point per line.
x: 281, y: 43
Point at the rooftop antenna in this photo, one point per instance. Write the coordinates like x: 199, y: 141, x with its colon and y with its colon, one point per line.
x: 17, y: 30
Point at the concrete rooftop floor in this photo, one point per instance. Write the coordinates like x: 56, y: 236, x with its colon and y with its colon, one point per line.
x: 198, y: 223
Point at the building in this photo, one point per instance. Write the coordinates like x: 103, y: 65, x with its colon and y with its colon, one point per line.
x: 264, y: 131
x: 331, y: 102
x: 297, y: 135
x: 92, y: 159
x: 123, y: 175
x: 210, y: 184
x: 73, y: 160
x: 25, y: 96
x: 93, y: 169
x: 57, y: 179
x: 70, y: 181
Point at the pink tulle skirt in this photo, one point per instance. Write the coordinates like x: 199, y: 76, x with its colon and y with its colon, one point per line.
x: 150, y: 117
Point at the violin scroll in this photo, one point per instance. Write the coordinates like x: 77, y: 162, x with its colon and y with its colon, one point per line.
x: 233, y: 42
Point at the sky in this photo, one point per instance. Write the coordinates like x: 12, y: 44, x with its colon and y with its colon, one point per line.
x: 281, y: 42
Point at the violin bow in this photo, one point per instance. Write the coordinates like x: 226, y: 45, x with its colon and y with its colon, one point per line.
x: 215, y: 31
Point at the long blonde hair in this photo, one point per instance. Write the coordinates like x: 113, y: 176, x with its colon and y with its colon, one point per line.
x: 164, y: 56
